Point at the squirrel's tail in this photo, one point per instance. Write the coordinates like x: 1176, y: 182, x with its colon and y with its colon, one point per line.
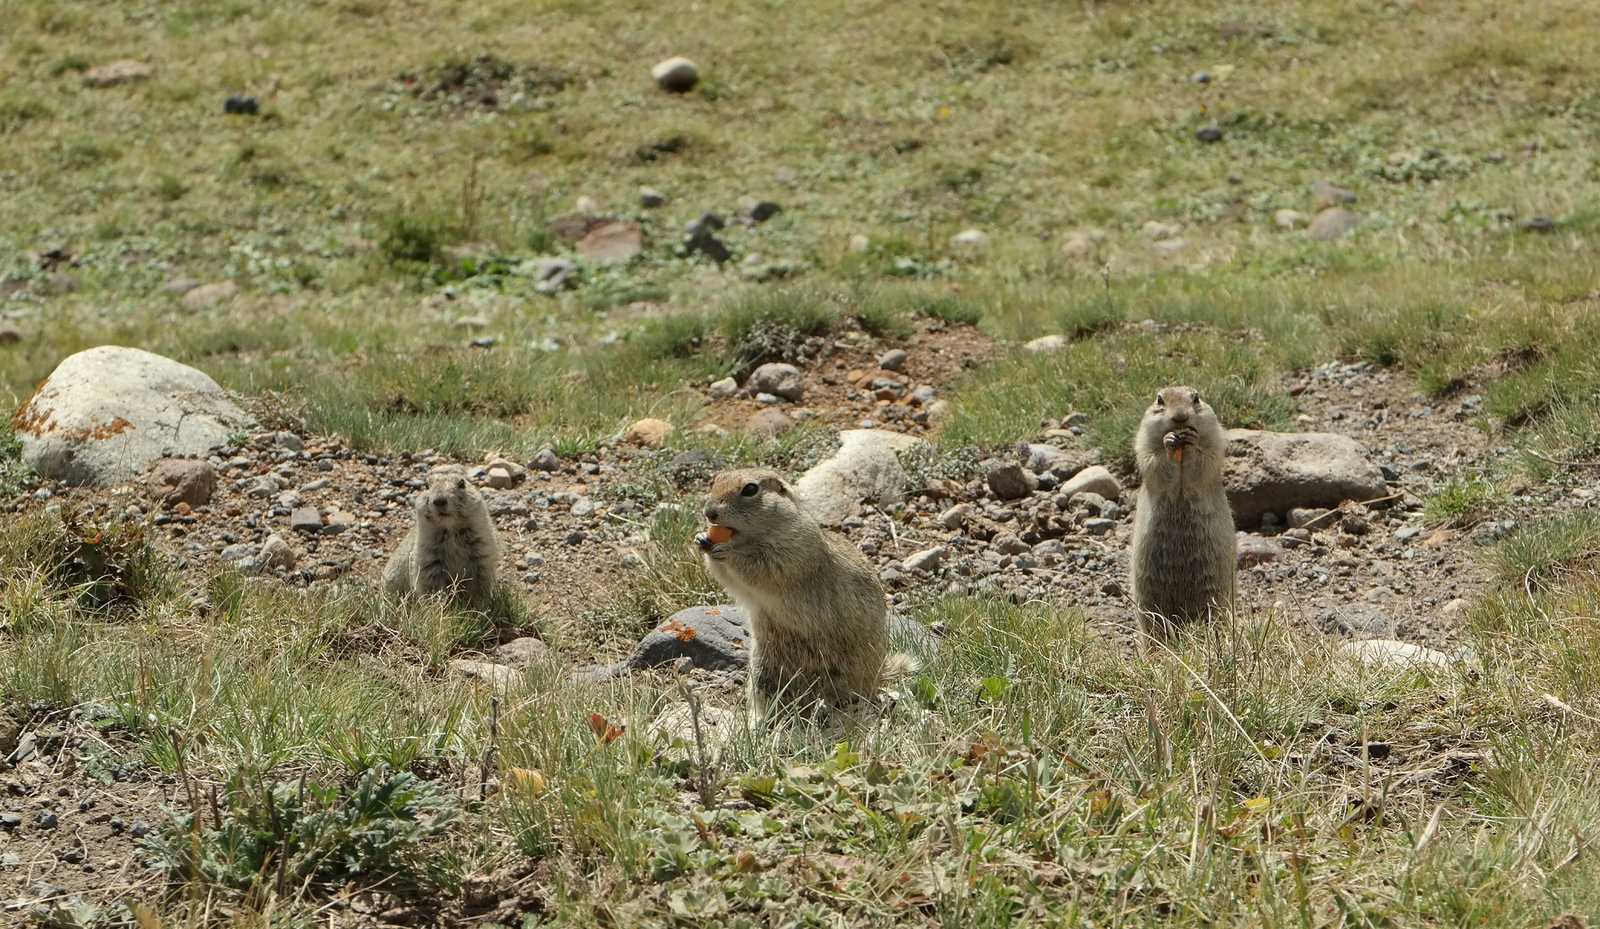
x: 898, y: 665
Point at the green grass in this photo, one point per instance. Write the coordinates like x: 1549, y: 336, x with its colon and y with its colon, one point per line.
x: 1033, y: 774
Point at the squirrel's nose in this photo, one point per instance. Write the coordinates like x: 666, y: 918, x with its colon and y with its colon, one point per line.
x: 440, y: 503
x: 711, y: 514
x: 1180, y: 416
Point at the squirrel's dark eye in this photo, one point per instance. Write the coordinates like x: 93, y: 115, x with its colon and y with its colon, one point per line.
x: 461, y: 483
x: 1194, y: 396
x: 750, y: 489
x: 1159, y: 401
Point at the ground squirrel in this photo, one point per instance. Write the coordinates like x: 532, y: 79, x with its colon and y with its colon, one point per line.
x: 817, y: 612
x: 451, y: 545
x: 1183, y: 560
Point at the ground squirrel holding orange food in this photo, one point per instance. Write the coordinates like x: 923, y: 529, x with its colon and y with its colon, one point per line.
x: 1184, y: 553
x: 817, y: 611
x: 452, y: 544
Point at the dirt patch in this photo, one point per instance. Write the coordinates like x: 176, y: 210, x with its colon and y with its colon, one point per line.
x: 482, y: 82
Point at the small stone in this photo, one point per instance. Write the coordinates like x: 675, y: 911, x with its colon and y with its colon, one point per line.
x: 769, y: 424
x: 1456, y: 607
x: 1046, y: 343
x: 1392, y: 654
x: 676, y: 75
x: 756, y: 211
x: 484, y: 672
x: 970, y: 238
x: 1095, y: 479
x: 9, y: 336
x: 10, y: 820
x: 209, y: 295
x: 1208, y: 134
x: 1325, y: 194
x: 1407, y: 533
x: 651, y: 199
x: 1077, y: 245
x: 858, y: 243
x: 1289, y: 219
x: 523, y: 652
x: 546, y: 460
x: 1254, y: 549
x: 276, y: 553
x: 241, y: 105
x: 117, y: 72
x: 701, y: 241
x: 289, y: 441
x: 306, y: 519
x: 1155, y: 231
x: 500, y: 478
x: 651, y: 433
x: 724, y: 389
x: 926, y: 560
x: 1332, y: 223
x: 1008, y: 543
x: 1099, y: 525
x: 893, y: 360
x: 583, y: 506
x: 1301, y: 517
x: 339, y: 521
x: 778, y: 379
x: 183, y: 480
x: 956, y: 516
x: 1538, y: 224
x: 632, y: 561
x: 1011, y: 481
x: 612, y: 243
x: 1169, y: 246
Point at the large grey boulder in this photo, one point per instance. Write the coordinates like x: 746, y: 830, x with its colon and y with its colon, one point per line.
x: 107, y: 413
x: 713, y: 638
x: 1275, y: 472
x: 866, y: 468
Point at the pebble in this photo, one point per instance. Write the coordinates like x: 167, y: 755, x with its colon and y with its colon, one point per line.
x: 970, y: 238
x: 676, y: 75
x: 1099, y: 525
x: 1046, y: 343
x: 893, y: 360
x: 305, y: 519
x: 1011, y: 481
x: 926, y: 560
x: 724, y: 389
x: 650, y: 198
x: 1211, y: 133
x: 546, y: 460
x: 956, y: 516
x: 240, y: 105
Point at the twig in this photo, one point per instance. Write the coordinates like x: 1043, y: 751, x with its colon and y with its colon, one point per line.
x: 1312, y: 522
x: 488, y: 752
x: 693, y: 700
x: 1559, y: 462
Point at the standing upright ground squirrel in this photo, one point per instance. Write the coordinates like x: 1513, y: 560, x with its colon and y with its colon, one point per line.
x: 818, y: 616
x: 1184, y: 552
x: 451, y: 545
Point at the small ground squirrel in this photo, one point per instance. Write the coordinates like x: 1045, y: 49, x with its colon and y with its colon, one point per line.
x: 451, y: 545
x: 818, y: 616
x: 1183, y: 560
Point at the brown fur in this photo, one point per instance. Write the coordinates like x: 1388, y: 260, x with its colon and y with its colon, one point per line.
x: 452, y: 545
x: 1184, y: 553
x: 817, y: 611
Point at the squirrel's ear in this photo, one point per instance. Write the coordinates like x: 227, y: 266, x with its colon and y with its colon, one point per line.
x: 775, y: 484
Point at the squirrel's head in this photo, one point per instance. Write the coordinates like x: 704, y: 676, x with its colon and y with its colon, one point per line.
x: 742, y: 505
x: 448, y: 499
x: 1179, y: 424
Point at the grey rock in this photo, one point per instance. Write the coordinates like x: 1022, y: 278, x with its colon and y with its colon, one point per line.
x: 1538, y: 224
x: 546, y: 460
x: 779, y: 379
x: 1211, y: 133
x: 956, y: 517
x: 182, y: 480
x: 117, y: 72
x: 1063, y: 463
x: 1007, y: 543
x: 1275, y: 472
x: 289, y: 440
x: 724, y: 389
x: 926, y: 560
x: 676, y: 75
x: 769, y: 424
x: 1011, y: 481
x: 702, y: 241
x: 1046, y: 343
x: 209, y: 295
x: 1302, y: 517
x: 522, y: 652
x: 107, y: 414
x: 1094, y: 480
x: 865, y: 468
x: 650, y: 198
x: 306, y: 519
x: 1357, y: 621
x: 970, y: 238
x: 614, y: 242
x: 1289, y: 219
x: 1099, y: 525
x: 498, y: 676
x: 276, y: 553
x: 755, y: 211
x: 713, y: 638
x: 1332, y: 223
x: 1254, y: 549
x: 893, y: 360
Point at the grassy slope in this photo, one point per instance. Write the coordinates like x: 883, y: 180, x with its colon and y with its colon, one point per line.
x: 1054, y: 777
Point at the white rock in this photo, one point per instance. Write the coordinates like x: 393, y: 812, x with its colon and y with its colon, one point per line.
x: 859, y: 243
x: 970, y: 238
x: 485, y: 672
x: 1095, y: 479
x: 1390, y: 653
x: 866, y: 468
x: 779, y: 380
x: 1046, y: 343
x: 926, y: 560
x: 676, y: 75
x: 1289, y: 219
x: 1156, y: 231
x: 106, y: 414
x: 723, y: 389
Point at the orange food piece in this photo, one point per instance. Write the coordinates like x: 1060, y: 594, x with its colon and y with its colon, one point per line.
x: 1177, y: 454
x: 719, y: 534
